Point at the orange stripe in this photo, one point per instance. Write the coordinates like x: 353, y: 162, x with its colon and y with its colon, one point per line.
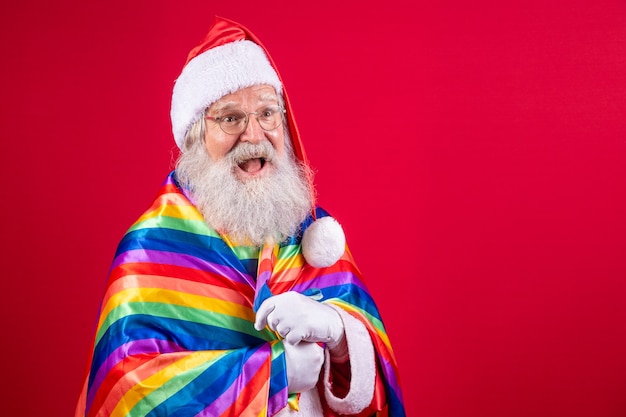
x: 114, y: 375
x: 179, y: 285
x: 181, y: 272
x: 253, y: 396
x: 258, y: 405
x: 128, y: 373
x: 168, y: 196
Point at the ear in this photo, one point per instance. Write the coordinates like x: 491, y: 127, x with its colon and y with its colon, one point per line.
x: 323, y: 242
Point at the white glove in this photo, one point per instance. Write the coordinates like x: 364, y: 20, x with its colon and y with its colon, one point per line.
x: 297, y: 318
x: 304, y: 363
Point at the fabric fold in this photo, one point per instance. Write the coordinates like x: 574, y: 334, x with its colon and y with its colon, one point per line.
x: 176, y: 335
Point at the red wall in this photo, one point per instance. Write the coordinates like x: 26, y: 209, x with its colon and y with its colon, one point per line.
x: 474, y: 151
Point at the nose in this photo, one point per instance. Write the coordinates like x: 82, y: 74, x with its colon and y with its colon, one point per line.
x: 253, y: 132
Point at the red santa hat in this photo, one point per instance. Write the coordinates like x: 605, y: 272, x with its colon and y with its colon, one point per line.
x: 229, y: 58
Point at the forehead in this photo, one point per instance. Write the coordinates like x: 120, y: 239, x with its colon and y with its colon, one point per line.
x: 257, y: 94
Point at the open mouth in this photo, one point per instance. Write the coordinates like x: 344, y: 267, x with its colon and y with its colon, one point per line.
x: 252, y: 165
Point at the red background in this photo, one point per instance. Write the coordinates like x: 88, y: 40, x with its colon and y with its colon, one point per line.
x: 474, y: 152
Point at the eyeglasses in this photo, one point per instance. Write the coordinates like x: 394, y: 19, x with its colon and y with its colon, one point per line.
x: 235, y: 122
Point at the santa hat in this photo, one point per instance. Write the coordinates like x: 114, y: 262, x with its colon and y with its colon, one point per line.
x: 229, y: 58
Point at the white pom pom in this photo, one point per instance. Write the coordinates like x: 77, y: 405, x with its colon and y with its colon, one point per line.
x: 323, y: 242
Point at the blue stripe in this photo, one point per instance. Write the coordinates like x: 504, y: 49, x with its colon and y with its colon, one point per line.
x: 187, y: 335
x: 206, y: 388
x: 395, y: 406
x: 206, y: 248
x: 354, y: 295
x: 278, y: 380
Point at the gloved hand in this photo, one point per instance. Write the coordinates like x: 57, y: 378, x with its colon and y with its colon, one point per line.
x: 298, y: 318
x: 304, y: 362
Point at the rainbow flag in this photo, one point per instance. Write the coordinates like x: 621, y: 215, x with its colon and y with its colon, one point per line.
x: 175, y: 334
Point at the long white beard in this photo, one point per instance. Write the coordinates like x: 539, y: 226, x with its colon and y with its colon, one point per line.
x: 259, y: 210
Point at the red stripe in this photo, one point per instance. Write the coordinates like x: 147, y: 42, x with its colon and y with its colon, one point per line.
x: 249, y: 394
x: 118, y: 372
x: 180, y: 272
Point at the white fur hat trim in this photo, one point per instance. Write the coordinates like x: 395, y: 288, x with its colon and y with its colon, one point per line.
x: 213, y: 74
x: 323, y: 242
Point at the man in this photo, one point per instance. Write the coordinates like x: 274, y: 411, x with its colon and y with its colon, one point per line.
x: 234, y: 295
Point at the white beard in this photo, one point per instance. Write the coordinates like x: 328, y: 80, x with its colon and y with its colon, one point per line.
x: 258, y: 210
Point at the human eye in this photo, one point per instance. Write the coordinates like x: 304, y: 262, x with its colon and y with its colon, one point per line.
x: 269, y: 112
x: 232, y: 118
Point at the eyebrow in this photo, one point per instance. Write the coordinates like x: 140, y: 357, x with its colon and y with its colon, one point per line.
x: 268, y: 97
x: 224, y: 105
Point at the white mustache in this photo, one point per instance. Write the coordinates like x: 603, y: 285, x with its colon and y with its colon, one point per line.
x: 245, y: 151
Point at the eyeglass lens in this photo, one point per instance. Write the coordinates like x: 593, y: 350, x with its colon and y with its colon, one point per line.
x: 235, y: 122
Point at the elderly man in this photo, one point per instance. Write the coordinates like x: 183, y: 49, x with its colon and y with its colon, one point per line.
x: 234, y: 294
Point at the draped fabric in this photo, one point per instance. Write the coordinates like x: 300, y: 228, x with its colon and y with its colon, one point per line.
x: 175, y: 334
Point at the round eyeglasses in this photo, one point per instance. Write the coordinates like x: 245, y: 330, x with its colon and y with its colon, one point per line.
x: 235, y: 122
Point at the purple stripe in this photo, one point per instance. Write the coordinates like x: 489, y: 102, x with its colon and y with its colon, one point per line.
x: 331, y: 280
x: 169, y: 180
x: 391, y: 377
x: 277, y: 402
x: 263, y: 278
x: 181, y: 260
x: 126, y: 350
x: 249, y: 371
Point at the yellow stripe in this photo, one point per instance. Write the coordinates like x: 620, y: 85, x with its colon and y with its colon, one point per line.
x: 349, y: 307
x: 172, y: 205
x: 151, y: 384
x: 170, y: 297
x: 181, y: 212
x: 289, y: 263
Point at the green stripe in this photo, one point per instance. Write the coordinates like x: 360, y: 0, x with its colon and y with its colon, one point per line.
x: 172, y: 311
x: 377, y: 323
x: 246, y: 252
x: 171, y: 387
x: 198, y: 227
x: 288, y: 251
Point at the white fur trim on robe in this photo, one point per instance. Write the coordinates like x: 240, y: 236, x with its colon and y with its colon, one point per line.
x: 363, y: 375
